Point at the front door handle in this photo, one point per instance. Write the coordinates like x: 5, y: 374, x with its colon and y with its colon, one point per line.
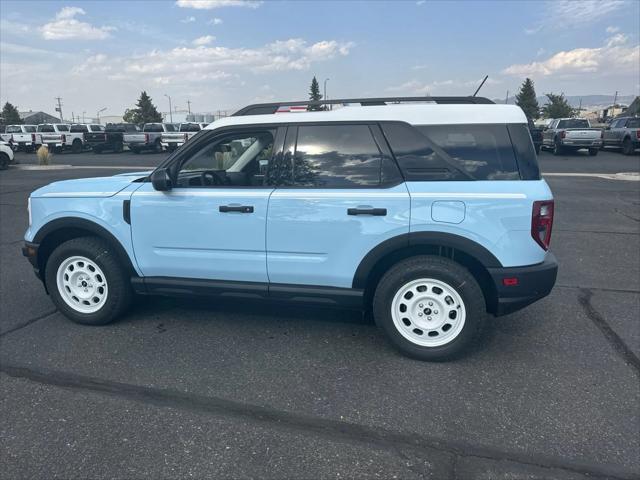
x: 236, y: 208
x: 377, y: 212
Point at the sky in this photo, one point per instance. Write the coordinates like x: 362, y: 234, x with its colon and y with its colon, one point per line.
x: 224, y: 54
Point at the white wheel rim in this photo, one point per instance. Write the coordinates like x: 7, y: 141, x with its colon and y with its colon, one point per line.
x: 82, y: 285
x: 428, y: 312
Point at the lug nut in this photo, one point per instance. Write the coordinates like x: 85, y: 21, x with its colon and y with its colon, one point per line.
x: 428, y: 318
x: 420, y: 305
x: 430, y: 303
x: 435, y: 311
x: 420, y: 314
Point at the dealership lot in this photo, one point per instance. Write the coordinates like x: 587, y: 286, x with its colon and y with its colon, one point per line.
x: 184, y: 387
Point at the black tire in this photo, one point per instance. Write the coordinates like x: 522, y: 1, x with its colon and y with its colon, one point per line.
x: 97, y: 150
x: 118, y: 147
x: 593, y: 152
x: 76, y: 146
x: 443, y: 270
x: 4, y: 161
x: 135, y: 150
x: 557, y: 148
x: 627, y: 147
x: 119, y: 294
x: 157, y: 146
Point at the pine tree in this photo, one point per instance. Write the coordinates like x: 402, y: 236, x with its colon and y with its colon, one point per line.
x: 10, y: 115
x: 314, y: 95
x: 526, y: 100
x: 145, y: 111
x: 557, y: 107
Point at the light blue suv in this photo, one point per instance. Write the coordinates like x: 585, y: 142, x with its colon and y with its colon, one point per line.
x: 430, y: 213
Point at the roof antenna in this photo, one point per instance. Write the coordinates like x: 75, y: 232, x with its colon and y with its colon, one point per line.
x: 481, y: 84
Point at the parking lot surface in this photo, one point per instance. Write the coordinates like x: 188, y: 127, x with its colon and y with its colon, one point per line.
x: 200, y: 388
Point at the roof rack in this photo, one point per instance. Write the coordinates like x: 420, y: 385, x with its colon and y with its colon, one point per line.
x: 268, y: 108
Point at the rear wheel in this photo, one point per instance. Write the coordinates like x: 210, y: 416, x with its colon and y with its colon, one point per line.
x: 76, y: 146
x: 157, y: 146
x: 627, y: 147
x: 118, y: 147
x: 97, y: 149
x: 557, y: 148
x: 593, y: 152
x: 87, y: 282
x: 135, y: 150
x: 4, y: 161
x: 430, y: 307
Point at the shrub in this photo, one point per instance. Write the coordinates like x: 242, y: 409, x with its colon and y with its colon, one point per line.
x: 44, y: 157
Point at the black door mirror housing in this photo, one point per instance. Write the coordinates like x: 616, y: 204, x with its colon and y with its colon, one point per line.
x: 161, y: 180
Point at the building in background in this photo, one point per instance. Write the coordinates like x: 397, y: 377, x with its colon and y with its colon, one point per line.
x: 35, y: 118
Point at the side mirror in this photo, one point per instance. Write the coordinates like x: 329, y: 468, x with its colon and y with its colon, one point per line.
x: 161, y: 180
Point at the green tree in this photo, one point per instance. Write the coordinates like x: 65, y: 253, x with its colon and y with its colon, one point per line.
x: 145, y: 111
x: 314, y: 95
x: 10, y: 115
x: 526, y: 99
x: 557, y: 107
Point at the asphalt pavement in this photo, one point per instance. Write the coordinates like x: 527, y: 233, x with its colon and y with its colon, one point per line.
x: 199, y: 388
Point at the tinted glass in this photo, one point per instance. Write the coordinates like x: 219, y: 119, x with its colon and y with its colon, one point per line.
x: 171, y: 127
x: 525, y: 152
x: 483, y: 151
x: 63, y: 128
x: 96, y: 128
x: 152, y: 127
x: 336, y: 156
x: 30, y: 128
x: 189, y: 127
x: 78, y: 128
x: 573, y: 123
x: 46, y: 128
x: 13, y: 129
x: 633, y: 123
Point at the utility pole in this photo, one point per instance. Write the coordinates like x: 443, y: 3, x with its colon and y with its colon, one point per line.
x: 170, y: 111
x: 59, y: 108
x: 324, y: 96
x: 189, y: 106
x: 506, y: 100
x: 83, y: 121
x: 615, y: 99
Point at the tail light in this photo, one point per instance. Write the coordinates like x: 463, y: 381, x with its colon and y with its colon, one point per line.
x: 63, y: 138
x: 33, y: 138
x: 563, y: 134
x: 146, y: 138
x: 542, y: 222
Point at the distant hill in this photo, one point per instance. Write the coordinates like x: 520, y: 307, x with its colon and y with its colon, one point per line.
x: 588, y: 101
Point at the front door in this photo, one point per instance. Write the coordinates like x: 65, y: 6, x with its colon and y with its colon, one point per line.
x: 211, y: 224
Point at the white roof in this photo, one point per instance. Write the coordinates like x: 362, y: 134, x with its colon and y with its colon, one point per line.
x: 415, y: 114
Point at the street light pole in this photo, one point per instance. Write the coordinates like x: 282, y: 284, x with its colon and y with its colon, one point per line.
x: 324, y: 96
x: 170, y: 111
x: 83, y: 113
x: 98, y: 113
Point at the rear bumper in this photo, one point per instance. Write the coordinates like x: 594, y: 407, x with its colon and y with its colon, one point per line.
x: 577, y: 143
x: 533, y: 283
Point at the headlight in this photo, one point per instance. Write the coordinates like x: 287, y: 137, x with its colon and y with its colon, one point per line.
x: 29, y: 209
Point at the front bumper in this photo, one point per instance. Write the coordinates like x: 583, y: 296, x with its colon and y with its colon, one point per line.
x: 30, y: 250
x: 533, y: 283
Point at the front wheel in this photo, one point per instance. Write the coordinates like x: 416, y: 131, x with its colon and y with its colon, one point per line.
x: 627, y: 147
x: 430, y: 307
x: 593, y: 152
x: 87, y: 282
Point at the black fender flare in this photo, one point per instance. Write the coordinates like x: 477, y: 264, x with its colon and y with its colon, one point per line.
x: 416, y: 239
x: 76, y: 223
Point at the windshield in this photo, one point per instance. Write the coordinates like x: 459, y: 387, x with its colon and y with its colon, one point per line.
x: 30, y: 128
x: 63, y: 128
x: 574, y: 123
x: 45, y: 128
x: 78, y: 128
x: 171, y: 127
x: 152, y: 127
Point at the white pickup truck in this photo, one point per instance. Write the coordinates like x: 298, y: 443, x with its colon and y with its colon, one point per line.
x: 566, y: 134
x: 173, y: 140
x: 150, y: 138
x: 76, y: 139
x: 53, y: 135
x: 20, y: 137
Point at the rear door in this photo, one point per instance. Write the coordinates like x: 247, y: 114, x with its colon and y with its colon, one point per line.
x: 338, y: 195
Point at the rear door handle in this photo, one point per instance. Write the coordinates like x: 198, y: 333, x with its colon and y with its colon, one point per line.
x: 236, y: 208
x: 377, y: 212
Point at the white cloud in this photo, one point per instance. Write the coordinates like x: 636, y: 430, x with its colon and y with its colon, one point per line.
x: 14, y: 28
x: 188, y: 20
x: 612, y: 29
x: 439, y: 87
x: 211, y: 4
x: 421, y: 2
x: 65, y: 26
x: 214, y: 21
x: 616, y: 56
x: 205, y: 40
x: 420, y: 67
x: 566, y: 14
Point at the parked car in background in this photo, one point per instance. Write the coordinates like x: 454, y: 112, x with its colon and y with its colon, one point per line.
x: 536, y: 135
x: 54, y: 136
x: 6, y: 155
x: 20, y: 137
x: 173, y: 140
x: 430, y: 215
x: 623, y: 133
x: 112, y: 138
x: 150, y: 138
x: 571, y: 134
x: 77, y: 132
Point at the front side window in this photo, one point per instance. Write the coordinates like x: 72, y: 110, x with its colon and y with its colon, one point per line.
x: 235, y: 160
x: 574, y: 123
x: 336, y: 156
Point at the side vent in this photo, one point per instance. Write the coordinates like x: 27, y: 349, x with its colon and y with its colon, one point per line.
x: 126, y: 211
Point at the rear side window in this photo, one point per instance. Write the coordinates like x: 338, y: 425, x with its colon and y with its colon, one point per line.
x: 482, y: 151
x: 78, y: 128
x: 336, y: 156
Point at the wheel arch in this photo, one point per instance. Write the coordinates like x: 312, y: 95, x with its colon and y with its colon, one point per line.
x: 57, y: 231
x: 470, y: 254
